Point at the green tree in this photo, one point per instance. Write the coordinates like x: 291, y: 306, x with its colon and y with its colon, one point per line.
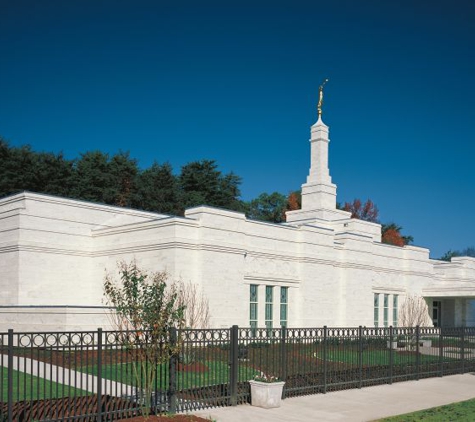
x: 92, y: 180
x: 17, y: 168
x: 23, y: 169
x: 201, y: 183
x: 53, y: 174
x: 470, y: 251
x: 229, y: 193
x: 157, y: 190
x: 123, y: 179
x: 146, y: 307
x: 99, y: 178
x: 267, y: 207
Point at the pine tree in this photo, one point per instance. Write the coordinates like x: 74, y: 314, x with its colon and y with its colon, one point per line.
x: 157, y: 190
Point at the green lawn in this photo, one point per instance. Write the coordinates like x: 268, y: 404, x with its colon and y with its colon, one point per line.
x: 461, y: 412
x: 217, y: 371
x: 27, y: 387
x: 452, y: 342
x: 376, y: 357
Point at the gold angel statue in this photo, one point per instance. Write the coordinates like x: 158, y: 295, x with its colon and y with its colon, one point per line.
x: 320, y: 98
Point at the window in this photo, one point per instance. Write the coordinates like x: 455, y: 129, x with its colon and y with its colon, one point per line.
x: 269, y: 316
x: 395, y: 310
x: 284, y: 291
x: 253, y: 309
x: 376, y: 309
x: 386, y: 309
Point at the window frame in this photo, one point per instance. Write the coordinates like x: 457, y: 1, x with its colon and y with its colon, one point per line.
x: 395, y: 310
x: 376, y: 309
x: 269, y: 304
x: 386, y: 309
x: 284, y: 306
x: 253, y: 307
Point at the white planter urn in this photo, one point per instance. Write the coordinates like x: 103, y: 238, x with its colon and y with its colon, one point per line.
x: 391, y: 344
x: 266, y: 394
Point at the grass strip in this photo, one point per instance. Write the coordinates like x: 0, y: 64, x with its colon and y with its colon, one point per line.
x: 29, y: 387
x: 463, y: 411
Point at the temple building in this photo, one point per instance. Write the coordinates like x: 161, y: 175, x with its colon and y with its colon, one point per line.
x: 319, y: 268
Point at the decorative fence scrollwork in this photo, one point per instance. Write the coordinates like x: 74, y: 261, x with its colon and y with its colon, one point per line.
x: 98, y: 375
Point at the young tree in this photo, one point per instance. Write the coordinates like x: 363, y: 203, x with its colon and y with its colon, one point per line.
x: 146, y: 307
x: 195, y: 305
x: 414, y: 312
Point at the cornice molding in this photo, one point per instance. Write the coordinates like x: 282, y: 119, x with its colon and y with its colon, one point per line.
x: 263, y: 279
x: 186, y: 245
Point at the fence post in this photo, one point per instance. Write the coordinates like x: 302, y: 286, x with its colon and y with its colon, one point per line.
x: 391, y: 354
x: 462, y: 350
x: 325, y: 366
x: 360, y: 355
x: 418, y: 356
x: 233, y: 370
x: 99, y: 374
x: 283, y: 356
x: 172, y: 373
x: 10, y: 376
x: 441, y: 353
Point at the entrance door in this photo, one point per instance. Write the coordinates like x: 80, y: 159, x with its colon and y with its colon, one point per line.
x: 437, y: 313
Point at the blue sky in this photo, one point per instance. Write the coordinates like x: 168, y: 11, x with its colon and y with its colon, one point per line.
x: 237, y: 81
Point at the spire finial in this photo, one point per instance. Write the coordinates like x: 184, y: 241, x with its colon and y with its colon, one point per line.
x: 320, y: 98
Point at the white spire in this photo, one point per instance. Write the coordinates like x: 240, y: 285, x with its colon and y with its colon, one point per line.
x: 318, y: 193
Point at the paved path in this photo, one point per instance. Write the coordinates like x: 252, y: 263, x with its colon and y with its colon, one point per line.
x: 68, y: 376
x: 355, y: 405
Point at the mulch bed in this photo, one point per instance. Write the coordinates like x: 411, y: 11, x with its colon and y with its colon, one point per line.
x: 193, y: 367
x: 174, y: 418
x: 31, y: 410
x: 77, y: 359
x: 26, y: 411
x: 71, y: 358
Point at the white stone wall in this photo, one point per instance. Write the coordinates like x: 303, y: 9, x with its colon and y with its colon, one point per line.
x: 55, y: 252
x: 9, y: 251
x: 331, y: 277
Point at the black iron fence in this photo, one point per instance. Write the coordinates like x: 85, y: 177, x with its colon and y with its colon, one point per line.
x: 108, y: 375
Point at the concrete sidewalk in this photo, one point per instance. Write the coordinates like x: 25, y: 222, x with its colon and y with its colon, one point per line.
x: 363, y: 405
